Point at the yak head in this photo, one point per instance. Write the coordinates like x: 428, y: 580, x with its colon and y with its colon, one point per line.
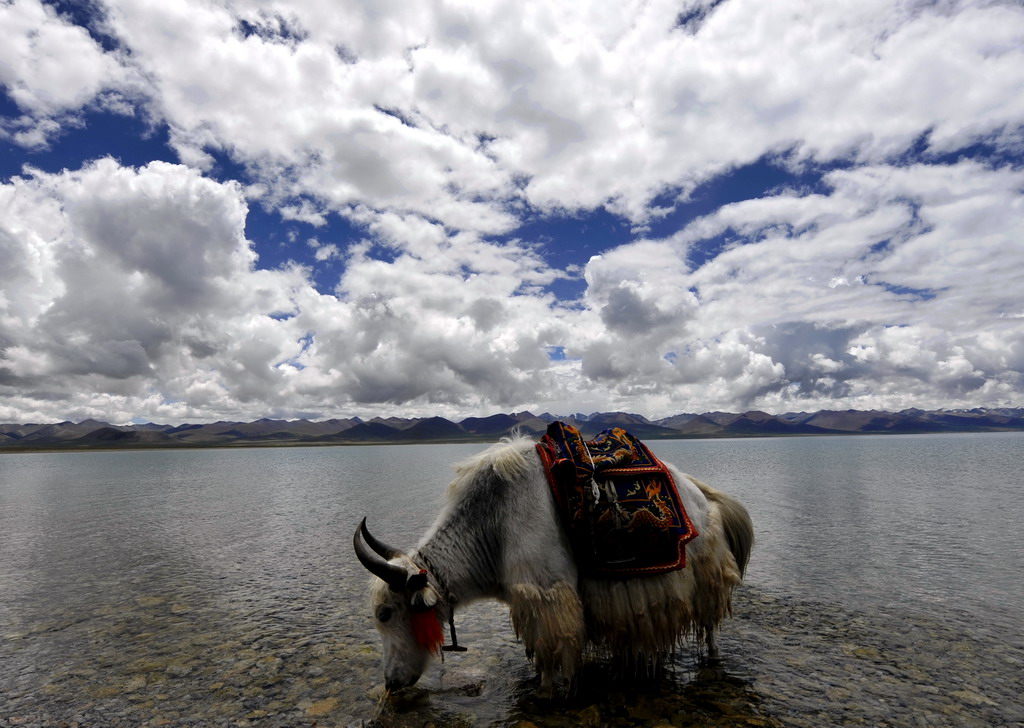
x: 405, y: 609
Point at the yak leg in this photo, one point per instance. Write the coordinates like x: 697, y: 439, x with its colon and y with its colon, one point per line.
x: 712, y: 643
x: 550, y: 623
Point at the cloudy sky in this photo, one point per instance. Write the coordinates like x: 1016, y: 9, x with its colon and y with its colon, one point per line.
x: 233, y: 209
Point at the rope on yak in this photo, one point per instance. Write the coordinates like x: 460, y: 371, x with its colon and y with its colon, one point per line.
x: 454, y: 646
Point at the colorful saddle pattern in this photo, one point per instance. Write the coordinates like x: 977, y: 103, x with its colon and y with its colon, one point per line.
x: 618, y: 503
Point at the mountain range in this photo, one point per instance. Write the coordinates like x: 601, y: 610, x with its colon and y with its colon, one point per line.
x: 95, y: 434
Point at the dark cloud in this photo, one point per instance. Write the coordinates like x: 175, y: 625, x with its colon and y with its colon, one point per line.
x: 627, y: 314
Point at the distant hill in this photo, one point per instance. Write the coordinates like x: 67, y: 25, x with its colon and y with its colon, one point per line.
x: 493, y: 425
x: 367, y: 432
x: 112, y: 436
x: 92, y: 434
x: 435, y: 428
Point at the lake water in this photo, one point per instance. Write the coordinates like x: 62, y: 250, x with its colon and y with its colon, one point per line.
x: 219, y: 587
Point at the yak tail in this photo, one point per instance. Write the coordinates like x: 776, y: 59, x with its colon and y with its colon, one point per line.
x: 736, y: 523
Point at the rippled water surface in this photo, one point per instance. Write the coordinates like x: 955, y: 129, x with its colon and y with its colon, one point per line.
x: 218, y: 587
x: 878, y: 520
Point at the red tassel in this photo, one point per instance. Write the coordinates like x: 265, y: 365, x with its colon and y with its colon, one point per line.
x: 427, y: 629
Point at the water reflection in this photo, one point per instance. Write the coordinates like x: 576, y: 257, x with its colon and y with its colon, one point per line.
x: 681, y: 693
x: 219, y: 586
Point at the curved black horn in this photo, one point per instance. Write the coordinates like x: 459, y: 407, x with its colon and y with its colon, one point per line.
x: 388, y: 552
x: 393, y: 574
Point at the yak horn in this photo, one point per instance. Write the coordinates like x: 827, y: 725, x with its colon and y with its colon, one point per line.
x: 393, y: 574
x: 388, y: 552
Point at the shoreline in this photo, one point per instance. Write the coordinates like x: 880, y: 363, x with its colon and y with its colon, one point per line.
x: 254, y: 444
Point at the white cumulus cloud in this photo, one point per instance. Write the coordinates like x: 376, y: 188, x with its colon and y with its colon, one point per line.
x: 886, y: 273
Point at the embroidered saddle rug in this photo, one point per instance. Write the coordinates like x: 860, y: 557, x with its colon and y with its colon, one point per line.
x: 618, y: 503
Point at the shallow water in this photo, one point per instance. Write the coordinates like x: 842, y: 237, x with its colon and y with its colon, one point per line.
x: 219, y: 588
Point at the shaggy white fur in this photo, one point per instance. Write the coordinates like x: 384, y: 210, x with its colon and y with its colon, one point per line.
x: 550, y: 623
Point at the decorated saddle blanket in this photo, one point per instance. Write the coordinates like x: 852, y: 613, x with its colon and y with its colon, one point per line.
x: 618, y: 503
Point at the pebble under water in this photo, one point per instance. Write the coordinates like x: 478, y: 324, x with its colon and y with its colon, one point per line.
x: 165, y: 660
